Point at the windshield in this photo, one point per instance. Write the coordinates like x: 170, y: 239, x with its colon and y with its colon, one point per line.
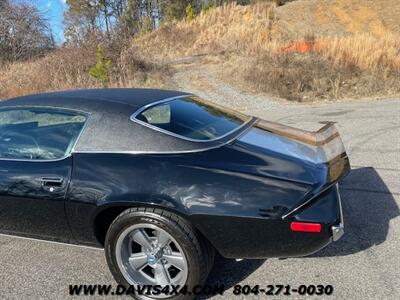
x: 193, y: 118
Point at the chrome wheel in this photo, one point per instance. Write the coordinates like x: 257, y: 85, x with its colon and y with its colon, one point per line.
x: 148, y: 255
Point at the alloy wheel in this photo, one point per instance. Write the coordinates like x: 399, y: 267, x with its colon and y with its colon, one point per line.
x: 149, y: 255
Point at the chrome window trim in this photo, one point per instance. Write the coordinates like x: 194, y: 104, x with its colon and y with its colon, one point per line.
x: 54, y: 109
x: 133, y: 118
x: 149, y: 152
x: 143, y: 108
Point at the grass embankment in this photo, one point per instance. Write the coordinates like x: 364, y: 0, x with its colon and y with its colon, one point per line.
x: 302, y: 51
x: 68, y: 68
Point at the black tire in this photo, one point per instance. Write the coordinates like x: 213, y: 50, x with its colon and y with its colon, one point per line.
x: 196, y: 250
x: 210, y: 254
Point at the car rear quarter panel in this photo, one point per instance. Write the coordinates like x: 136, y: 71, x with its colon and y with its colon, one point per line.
x: 230, y: 194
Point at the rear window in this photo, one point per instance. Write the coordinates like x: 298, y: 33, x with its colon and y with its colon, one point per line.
x: 192, y: 118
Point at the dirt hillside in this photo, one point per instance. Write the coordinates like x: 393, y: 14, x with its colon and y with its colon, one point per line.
x: 305, y: 50
x: 339, y: 17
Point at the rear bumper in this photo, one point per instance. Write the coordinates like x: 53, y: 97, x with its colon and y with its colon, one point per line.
x: 338, y: 230
x: 255, y: 237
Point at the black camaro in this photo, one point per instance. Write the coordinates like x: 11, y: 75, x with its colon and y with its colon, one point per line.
x: 163, y: 179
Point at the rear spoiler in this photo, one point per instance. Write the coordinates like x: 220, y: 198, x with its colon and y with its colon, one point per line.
x: 325, y: 144
x: 315, y: 138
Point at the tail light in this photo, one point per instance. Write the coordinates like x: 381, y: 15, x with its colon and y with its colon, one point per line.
x: 305, y: 227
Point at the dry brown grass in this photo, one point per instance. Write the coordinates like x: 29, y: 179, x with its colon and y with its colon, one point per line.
x: 362, y: 59
x: 365, y: 51
x: 355, y: 52
x: 68, y: 68
x: 60, y: 70
x: 230, y: 28
x: 308, y: 77
x: 339, y: 17
x: 360, y: 65
x: 263, y: 27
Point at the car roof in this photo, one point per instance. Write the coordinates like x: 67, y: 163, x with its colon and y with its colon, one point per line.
x: 109, y: 128
x: 95, y: 99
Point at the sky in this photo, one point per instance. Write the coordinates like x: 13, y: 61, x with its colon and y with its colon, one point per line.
x: 54, y: 11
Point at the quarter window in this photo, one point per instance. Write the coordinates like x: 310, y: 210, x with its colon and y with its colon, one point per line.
x: 192, y: 118
x: 38, y: 134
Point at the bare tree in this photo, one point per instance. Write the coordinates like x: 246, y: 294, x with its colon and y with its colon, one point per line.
x: 3, y: 4
x: 24, y: 32
x: 122, y: 19
x: 75, y: 28
x: 87, y: 10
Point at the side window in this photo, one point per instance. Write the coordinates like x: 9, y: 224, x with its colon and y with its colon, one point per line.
x: 157, y: 115
x: 38, y: 134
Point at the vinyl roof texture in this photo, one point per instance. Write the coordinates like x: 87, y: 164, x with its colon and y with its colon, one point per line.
x: 109, y: 128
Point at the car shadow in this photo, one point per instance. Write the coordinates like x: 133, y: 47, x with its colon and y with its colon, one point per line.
x: 368, y: 207
x: 229, y: 272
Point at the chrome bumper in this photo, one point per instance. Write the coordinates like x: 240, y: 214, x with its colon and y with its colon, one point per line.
x: 338, y: 230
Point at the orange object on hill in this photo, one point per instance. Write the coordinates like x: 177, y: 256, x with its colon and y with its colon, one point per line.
x: 304, y: 47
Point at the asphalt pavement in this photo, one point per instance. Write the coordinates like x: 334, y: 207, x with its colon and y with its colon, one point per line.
x: 364, y: 264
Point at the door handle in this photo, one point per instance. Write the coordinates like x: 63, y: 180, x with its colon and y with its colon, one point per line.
x: 51, y: 182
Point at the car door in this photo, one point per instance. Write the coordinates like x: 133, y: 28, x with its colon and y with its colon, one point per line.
x: 35, y: 169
